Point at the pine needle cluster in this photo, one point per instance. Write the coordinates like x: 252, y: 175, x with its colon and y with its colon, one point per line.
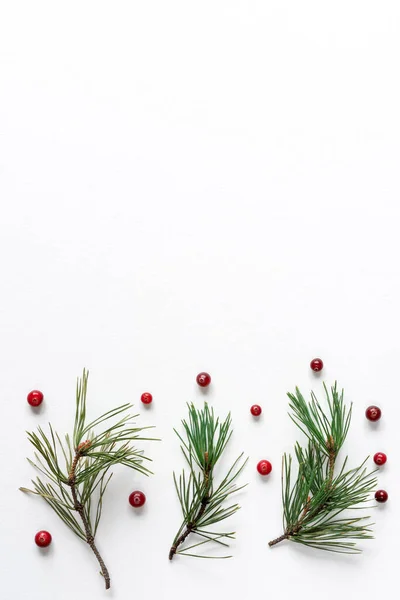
x: 316, y: 502
x: 75, y: 471
x: 203, y: 501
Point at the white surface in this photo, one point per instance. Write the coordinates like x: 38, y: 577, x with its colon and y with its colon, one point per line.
x: 192, y: 186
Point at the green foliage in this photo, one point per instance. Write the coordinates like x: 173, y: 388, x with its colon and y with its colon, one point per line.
x: 90, y: 454
x: 203, y: 502
x: 314, y: 505
x: 318, y: 427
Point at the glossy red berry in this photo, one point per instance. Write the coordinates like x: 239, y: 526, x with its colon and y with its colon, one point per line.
x: 381, y: 496
x: 203, y: 379
x: 373, y: 413
x: 316, y: 364
x: 43, y: 539
x: 380, y: 458
x: 264, y: 467
x: 137, y: 499
x: 256, y: 410
x: 146, y: 398
x: 35, y: 398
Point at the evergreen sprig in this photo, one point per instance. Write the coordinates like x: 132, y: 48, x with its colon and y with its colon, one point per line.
x: 76, y: 470
x: 314, y: 503
x: 202, y: 500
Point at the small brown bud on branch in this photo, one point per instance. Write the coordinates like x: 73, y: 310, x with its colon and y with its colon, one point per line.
x: 83, y: 446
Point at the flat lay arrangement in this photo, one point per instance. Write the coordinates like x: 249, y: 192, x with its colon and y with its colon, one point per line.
x: 200, y: 293
x: 320, y: 490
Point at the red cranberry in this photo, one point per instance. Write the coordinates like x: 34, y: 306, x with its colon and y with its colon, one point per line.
x: 203, y: 379
x: 146, y: 398
x: 264, y: 467
x: 316, y: 364
x: 35, y: 398
x: 256, y: 410
x: 381, y: 496
x: 43, y: 539
x: 137, y: 499
x: 380, y: 458
x: 373, y: 413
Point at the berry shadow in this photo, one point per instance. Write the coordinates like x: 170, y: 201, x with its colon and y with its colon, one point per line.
x: 316, y: 374
x: 138, y: 511
x: 46, y: 552
x: 37, y: 410
x: 204, y: 390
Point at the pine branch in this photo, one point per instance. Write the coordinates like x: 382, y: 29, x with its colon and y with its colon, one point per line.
x: 312, y: 504
x: 77, y: 471
x: 202, y: 503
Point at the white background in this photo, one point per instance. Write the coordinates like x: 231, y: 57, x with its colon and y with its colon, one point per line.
x: 192, y: 186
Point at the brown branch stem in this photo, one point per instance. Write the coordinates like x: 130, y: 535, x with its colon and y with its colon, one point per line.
x: 332, y: 457
x: 81, y: 511
x: 282, y: 537
x: 192, y: 525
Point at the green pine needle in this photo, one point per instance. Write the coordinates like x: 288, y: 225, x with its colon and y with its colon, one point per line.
x: 75, y: 473
x: 319, y: 492
x: 203, y: 502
